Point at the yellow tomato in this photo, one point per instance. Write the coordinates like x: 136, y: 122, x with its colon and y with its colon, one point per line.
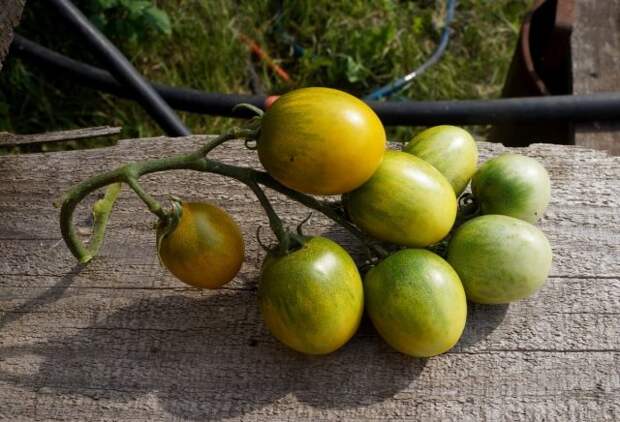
x: 321, y: 141
x: 205, y: 249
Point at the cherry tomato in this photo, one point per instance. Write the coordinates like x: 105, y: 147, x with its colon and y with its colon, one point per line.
x: 499, y: 259
x: 416, y: 302
x: 514, y: 185
x: 407, y: 202
x: 451, y: 150
x: 321, y: 141
x: 205, y: 249
x: 312, y: 299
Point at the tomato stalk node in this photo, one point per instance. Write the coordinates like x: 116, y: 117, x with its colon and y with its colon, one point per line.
x: 167, y: 224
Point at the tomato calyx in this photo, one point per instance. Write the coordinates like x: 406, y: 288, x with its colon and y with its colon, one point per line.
x: 167, y: 225
x: 253, y: 124
x: 294, y: 242
x: 468, y: 208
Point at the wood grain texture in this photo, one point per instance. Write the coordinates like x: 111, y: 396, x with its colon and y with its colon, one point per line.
x: 11, y: 139
x: 10, y: 15
x: 596, y: 65
x: 122, y: 340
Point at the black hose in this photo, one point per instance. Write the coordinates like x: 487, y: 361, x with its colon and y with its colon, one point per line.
x: 122, y: 70
x: 531, y: 110
x: 180, y: 98
x: 569, y: 108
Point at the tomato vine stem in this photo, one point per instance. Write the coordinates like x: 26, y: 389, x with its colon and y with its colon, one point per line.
x: 274, y: 220
x: 154, y: 206
x: 101, y: 213
x: 198, y: 161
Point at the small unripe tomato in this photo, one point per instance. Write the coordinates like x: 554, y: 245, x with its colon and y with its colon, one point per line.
x: 513, y: 185
x: 499, y: 259
x: 312, y: 299
x: 320, y: 141
x: 449, y: 149
x: 407, y: 201
x: 205, y: 249
x: 416, y: 302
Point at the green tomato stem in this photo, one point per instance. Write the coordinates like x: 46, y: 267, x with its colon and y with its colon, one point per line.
x: 130, y: 173
x: 154, y: 206
x: 101, y: 214
x: 274, y: 220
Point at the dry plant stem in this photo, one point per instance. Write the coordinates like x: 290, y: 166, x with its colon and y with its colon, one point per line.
x: 130, y: 173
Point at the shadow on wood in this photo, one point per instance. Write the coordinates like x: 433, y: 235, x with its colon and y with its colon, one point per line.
x: 482, y: 320
x: 185, y: 365
x: 50, y: 296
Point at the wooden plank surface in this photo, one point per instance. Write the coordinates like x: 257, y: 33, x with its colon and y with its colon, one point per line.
x: 596, y: 65
x: 11, y: 139
x: 122, y: 340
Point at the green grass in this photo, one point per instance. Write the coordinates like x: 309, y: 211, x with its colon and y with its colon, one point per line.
x: 353, y: 45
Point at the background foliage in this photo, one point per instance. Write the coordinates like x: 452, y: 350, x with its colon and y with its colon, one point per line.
x: 355, y: 45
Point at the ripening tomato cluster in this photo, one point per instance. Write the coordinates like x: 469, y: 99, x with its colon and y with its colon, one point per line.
x: 326, y: 142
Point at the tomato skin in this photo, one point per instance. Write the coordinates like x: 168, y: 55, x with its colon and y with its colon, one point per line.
x: 205, y: 249
x: 449, y: 149
x: 499, y: 259
x: 312, y: 299
x: 513, y: 185
x: 407, y: 202
x: 321, y: 141
x: 416, y: 302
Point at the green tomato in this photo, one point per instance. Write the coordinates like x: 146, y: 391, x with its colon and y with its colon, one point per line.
x: 407, y: 201
x: 312, y: 299
x: 499, y: 259
x: 451, y: 150
x: 514, y: 185
x: 416, y: 302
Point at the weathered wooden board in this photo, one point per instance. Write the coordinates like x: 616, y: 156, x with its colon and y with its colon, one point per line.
x: 122, y: 340
x: 11, y: 139
x: 10, y: 15
x: 596, y: 65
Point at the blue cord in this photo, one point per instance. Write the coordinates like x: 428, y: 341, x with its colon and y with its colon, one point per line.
x: 397, y: 85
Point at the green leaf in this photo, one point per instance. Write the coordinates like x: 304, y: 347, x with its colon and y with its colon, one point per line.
x: 355, y: 70
x: 135, y: 8
x: 417, y: 26
x: 158, y: 19
x: 106, y: 4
